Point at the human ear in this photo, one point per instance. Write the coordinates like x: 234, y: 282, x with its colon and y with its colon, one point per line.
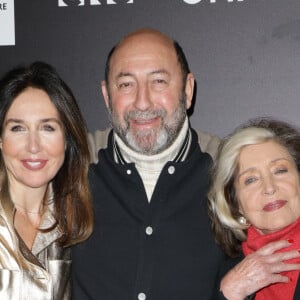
x: 105, y: 92
x: 189, y: 90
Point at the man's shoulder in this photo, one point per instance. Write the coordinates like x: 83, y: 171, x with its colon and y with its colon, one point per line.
x: 97, y: 140
x: 208, y: 143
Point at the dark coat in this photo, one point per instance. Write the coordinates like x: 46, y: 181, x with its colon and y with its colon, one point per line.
x: 164, y: 250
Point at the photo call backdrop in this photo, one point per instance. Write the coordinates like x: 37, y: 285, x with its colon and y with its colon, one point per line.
x: 245, y: 54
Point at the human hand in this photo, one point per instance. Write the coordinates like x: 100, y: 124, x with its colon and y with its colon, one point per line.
x: 259, y: 269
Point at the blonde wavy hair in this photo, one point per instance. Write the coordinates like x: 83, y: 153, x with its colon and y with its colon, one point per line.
x: 223, y: 204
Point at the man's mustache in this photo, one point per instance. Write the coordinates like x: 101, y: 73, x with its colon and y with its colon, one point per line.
x: 145, y: 115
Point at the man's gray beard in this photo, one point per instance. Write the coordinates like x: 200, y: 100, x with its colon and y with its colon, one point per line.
x: 163, y: 137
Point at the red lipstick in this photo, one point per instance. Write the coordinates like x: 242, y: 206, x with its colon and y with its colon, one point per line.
x: 274, y: 205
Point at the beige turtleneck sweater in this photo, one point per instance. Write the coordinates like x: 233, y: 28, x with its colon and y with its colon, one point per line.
x: 149, y: 167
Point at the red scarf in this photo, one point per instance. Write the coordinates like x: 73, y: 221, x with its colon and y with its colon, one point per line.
x: 276, y: 291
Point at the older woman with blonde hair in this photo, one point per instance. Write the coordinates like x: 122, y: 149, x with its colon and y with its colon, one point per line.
x: 254, y: 204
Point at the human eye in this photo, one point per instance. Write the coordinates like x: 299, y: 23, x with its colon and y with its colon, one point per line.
x: 48, y: 127
x: 250, y: 180
x: 125, y: 85
x: 281, y: 167
x: 159, y: 83
x: 281, y: 170
x: 16, y: 128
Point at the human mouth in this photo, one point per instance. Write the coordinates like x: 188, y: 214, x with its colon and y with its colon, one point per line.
x: 274, y: 205
x: 143, y: 122
x: 145, y: 119
x: 34, y: 164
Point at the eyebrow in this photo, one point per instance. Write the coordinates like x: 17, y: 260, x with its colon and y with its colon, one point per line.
x: 123, y: 74
x: 20, y: 121
x: 254, y: 168
x: 159, y: 71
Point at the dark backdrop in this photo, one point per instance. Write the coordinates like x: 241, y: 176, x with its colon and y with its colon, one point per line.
x: 245, y: 54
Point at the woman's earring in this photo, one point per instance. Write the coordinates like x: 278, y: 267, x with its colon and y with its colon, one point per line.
x: 243, y: 221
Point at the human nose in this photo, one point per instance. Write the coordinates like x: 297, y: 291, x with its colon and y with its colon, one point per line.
x: 34, y: 142
x: 143, y: 97
x: 269, y: 186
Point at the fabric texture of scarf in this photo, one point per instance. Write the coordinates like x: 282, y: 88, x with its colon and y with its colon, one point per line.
x: 255, y: 241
